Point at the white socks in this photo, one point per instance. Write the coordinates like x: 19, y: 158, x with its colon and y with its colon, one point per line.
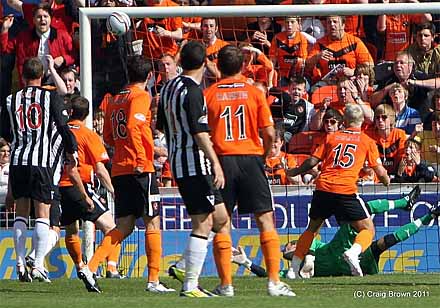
x: 20, y: 229
x: 40, y: 240
x: 195, y: 255
x: 356, y: 249
x: 52, y: 240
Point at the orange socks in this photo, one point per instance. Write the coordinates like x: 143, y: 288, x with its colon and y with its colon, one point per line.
x: 108, y: 244
x: 270, y: 245
x: 364, y: 239
x: 73, y: 246
x: 303, y: 244
x: 113, y: 258
x: 153, y: 248
x: 222, y: 255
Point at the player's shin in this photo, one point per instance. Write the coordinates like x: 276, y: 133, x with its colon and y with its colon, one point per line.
x: 195, y: 255
x: 270, y: 245
x: 153, y: 248
x: 110, y: 242
x: 20, y: 228
x: 40, y: 241
x: 73, y: 245
x: 222, y: 256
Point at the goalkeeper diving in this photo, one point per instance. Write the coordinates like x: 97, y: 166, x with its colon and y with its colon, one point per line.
x: 324, y: 259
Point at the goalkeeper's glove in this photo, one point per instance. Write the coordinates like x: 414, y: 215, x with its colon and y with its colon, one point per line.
x: 239, y: 257
x: 308, y: 268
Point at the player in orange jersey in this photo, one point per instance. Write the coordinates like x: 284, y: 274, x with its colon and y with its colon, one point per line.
x: 127, y: 129
x: 343, y: 155
x: 91, y: 157
x: 236, y: 113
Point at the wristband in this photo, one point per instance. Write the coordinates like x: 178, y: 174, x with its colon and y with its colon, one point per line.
x: 247, y: 263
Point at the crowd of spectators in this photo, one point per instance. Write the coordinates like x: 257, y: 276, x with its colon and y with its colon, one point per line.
x: 309, y: 68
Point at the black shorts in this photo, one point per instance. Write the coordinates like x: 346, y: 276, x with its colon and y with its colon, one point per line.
x: 199, y: 194
x: 136, y: 195
x: 346, y: 208
x: 31, y: 182
x: 246, y: 184
x: 73, y: 206
x: 55, y: 209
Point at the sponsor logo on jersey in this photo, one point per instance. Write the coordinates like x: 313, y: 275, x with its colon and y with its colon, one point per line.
x: 203, y: 120
x: 140, y: 117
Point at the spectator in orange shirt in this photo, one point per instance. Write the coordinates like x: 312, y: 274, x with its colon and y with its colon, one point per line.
x: 213, y: 45
x: 337, y: 50
x: 161, y: 34
x: 278, y: 161
x: 390, y: 141
x: 343, y: 155
x: 288, y: 50
x: 348, y: 93
x: 261, y: 72
x: 397, y: 29
x: 190, y: 25
x: 411, y: 168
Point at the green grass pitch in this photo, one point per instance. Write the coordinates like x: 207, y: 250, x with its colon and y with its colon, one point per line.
x: 392, y: 290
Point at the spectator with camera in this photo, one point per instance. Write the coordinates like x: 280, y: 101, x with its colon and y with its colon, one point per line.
x: 161, y: 34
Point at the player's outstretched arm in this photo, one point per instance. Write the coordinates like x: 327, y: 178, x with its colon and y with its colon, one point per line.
x: 204, y: 142
x: 239, y: 257
x: 308, y: 164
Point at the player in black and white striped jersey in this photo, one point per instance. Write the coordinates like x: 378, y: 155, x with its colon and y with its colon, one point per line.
x: 30, y: 121
x: 182, y: 116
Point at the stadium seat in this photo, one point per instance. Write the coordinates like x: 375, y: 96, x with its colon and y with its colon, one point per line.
x: 325, y: 91
x: 302, y: 142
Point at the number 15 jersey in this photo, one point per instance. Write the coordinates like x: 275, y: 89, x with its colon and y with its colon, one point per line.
x: 343, y: 155
x: 236, y: 111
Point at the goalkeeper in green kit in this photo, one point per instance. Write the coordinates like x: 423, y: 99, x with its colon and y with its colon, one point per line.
x: 325, y: 259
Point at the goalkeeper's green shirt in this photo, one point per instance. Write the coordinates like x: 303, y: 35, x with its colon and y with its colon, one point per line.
x: 328, y: 256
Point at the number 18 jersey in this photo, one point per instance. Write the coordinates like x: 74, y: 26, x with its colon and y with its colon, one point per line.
x: 236, y: 111
x: 127, y: 129
x: 343, y: 155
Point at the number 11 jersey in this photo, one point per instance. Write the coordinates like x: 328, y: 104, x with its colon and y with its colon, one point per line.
x: 236, y: 112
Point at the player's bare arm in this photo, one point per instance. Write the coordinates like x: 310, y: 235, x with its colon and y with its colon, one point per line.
x: 268, y: 139
x: 75, y: 178
x: 308, y: 164
x: 104, y: 177
x: 204, y: 142
x: 382, y: 174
